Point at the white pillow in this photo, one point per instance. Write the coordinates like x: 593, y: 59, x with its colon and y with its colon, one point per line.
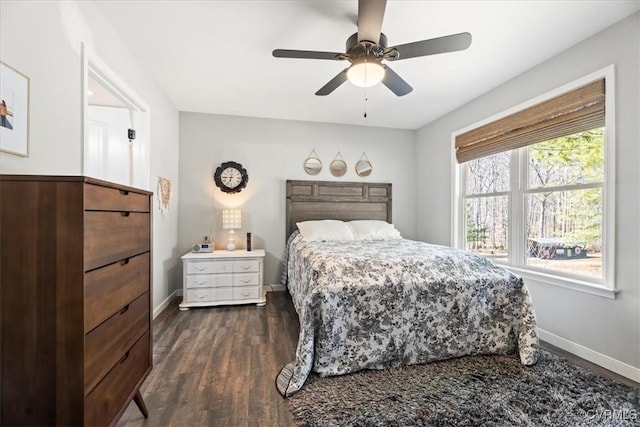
x: 373, y: 230
x: 325, y: 230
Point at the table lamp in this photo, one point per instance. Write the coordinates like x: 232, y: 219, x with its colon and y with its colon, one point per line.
x: 231, y: 220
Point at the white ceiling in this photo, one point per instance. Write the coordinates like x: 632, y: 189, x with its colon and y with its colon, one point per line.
x: 215, y: 56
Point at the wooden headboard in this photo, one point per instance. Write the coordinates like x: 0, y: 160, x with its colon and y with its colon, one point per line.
x: 346, y: 201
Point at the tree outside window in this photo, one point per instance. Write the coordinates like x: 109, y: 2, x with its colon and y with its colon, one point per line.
x: 562, y: 204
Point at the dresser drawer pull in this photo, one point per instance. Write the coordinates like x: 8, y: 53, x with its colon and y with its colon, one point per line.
x: 245, y: 294
x: 124, y: 357
x: 125, y: 213
x: 124, y: 261
x: 124, y: 309
x: 246, y: 280
x: 245, y: 267
x: 124, y: 192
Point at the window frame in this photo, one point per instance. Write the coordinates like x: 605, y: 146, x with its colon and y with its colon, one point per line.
x: 519, y: 188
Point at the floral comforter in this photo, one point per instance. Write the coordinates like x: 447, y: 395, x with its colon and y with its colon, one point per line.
x: 377, y: 304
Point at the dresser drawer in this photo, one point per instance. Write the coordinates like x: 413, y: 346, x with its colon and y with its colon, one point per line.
x: 249, y: 292
x: 209, y: 295
x: 246, y: 279
x: 113, y: 236
x: 99, y: 198
x: 208, y: 267
x: 209, y: 280
x: 246, y: 266
x: 106, y: 344
x: 106, y: 400
x: 108, y: 289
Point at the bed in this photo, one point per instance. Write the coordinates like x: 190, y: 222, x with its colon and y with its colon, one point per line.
x: 373, y: 300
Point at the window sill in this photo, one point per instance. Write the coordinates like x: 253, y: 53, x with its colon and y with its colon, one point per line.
x: 563, y: 282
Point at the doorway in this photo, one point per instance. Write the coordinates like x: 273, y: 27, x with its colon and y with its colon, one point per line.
x: 111, y: 152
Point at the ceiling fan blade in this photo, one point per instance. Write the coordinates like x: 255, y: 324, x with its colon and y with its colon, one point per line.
x: 394, y: 82
x: 333, y: 83
x: 307, y: 54
x: 444, y: 44
x: 370, y: 15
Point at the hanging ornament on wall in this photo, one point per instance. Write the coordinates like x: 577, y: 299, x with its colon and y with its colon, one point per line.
x: 312, y: 164
x: 364, y: 166
x: 338, y: 166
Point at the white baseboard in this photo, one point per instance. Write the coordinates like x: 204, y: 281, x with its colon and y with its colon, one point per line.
x: 164, y: 304
x: 592, y: 356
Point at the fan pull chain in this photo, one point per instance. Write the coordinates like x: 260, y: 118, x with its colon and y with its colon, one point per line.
x: 365, y: 102
x: 365, y: 91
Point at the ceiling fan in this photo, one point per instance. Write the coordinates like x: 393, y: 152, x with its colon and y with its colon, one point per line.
x: 367, y: 48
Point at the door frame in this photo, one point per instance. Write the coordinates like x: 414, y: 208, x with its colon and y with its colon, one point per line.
x: 139, y: 112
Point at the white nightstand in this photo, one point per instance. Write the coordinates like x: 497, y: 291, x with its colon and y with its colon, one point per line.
x: 222, y: 278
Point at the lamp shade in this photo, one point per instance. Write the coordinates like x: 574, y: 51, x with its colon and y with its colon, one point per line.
x: 231, y: 219
x: 365, y: 73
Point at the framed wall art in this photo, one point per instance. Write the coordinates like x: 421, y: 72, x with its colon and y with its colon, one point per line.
x: 14, y: 111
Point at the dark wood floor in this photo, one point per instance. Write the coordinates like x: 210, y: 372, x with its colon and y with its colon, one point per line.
x: 217, y: 366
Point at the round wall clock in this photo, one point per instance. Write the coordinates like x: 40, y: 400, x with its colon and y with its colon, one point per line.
x: 231, y: 177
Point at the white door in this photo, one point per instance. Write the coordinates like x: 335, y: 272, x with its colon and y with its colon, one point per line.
x: 109, y: 155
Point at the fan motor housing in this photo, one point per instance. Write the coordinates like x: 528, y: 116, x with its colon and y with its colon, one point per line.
x: 365, y: 48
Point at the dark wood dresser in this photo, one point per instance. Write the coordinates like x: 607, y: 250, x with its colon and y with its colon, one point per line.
x: 75, y: 289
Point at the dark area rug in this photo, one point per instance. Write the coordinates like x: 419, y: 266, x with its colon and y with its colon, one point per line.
x: 469, y: 391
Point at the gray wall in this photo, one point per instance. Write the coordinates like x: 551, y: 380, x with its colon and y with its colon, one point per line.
x: 273, y: 151
x: 42, y: 39
x: 583, y: 322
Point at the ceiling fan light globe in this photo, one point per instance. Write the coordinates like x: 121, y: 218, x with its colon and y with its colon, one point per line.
x: 365, y: 73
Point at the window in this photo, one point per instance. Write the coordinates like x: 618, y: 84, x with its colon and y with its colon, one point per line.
x: 534, y: 189
x: 563, y: 204
x: 486, y: 205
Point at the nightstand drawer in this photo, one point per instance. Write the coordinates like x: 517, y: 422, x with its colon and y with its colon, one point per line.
x: 209, y: 294
x: 246, y: 279
x: 209, y: 281
x: 106, y: 344
x: 112, y: 236
x: 209, y: 267
x: 252, y: 292
x: 99, y: 198
x: 104, y: 402
x: 108, y: 289
x: 246, y: 266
